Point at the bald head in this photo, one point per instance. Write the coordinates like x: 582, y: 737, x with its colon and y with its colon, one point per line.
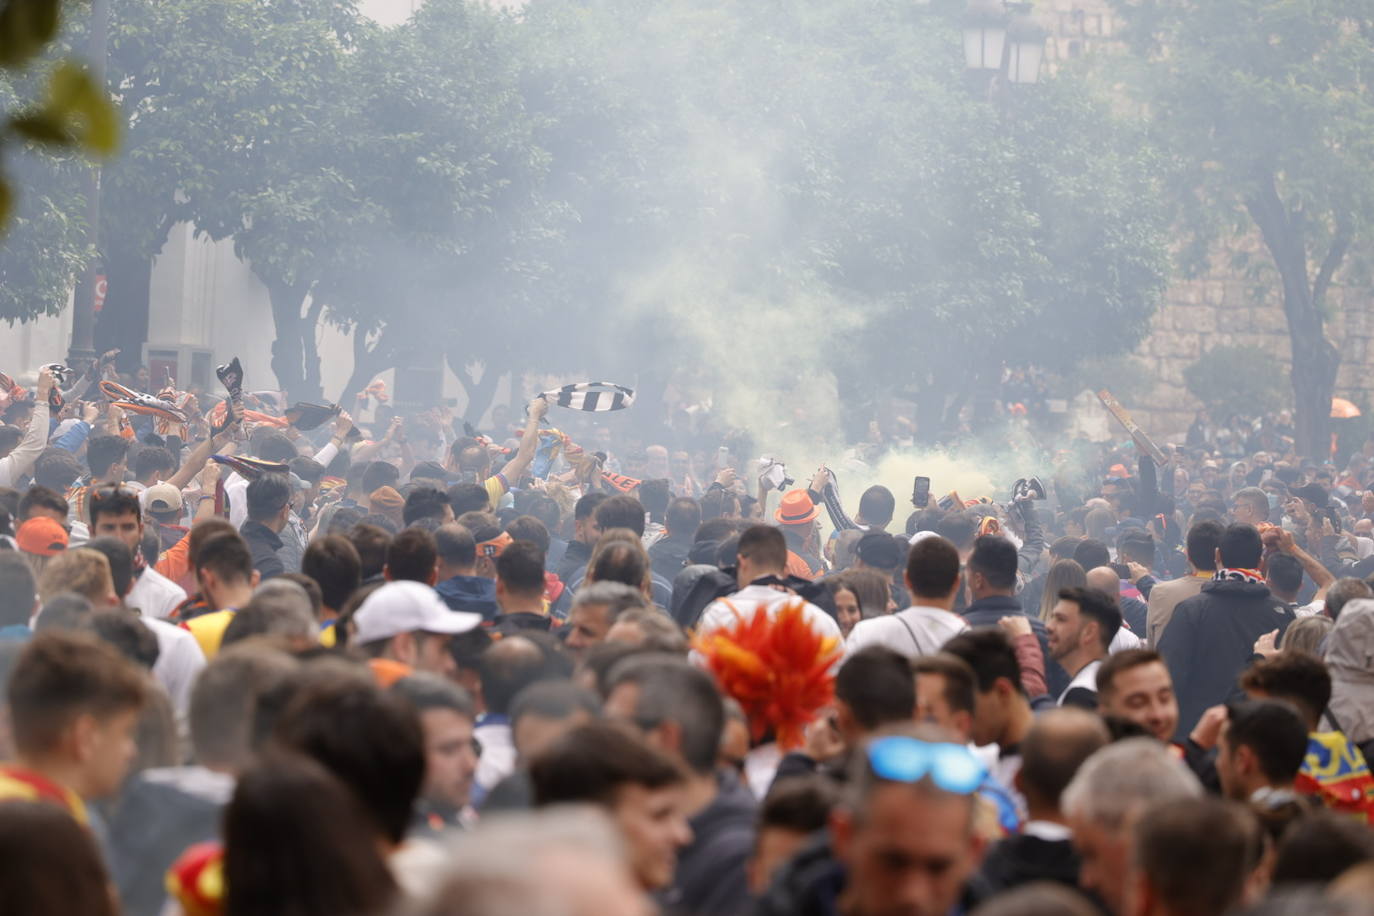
x: 508, y: 667
x: 1104, y: 579
x: 1057, y: 744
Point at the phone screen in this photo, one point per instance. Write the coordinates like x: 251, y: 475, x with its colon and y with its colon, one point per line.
x: 920, y: 492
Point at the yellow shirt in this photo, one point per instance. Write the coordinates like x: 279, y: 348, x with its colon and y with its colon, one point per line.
x: 208, y: 629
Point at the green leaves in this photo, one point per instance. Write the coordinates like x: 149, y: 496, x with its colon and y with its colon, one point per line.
x: 26, y: 26
x: 75, y: 113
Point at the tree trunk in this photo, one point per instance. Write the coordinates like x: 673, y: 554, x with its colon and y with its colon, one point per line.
x: 1315, y: 358
x: 123, y: 322
x: 288, y: 353
x: 310, y: 351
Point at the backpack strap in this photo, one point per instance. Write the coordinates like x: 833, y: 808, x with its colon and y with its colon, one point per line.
x: 914, y: 640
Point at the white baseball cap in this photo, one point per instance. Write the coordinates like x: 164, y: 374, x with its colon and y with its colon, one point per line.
x: 408, y: 607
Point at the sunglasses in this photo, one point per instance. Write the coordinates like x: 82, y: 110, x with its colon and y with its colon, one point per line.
x: 952, y: 767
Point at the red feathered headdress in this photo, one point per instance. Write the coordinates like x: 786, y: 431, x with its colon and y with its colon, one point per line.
x: 777, y: 668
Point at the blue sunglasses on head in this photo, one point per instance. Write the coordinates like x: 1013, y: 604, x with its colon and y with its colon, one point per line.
x: 952, y: 767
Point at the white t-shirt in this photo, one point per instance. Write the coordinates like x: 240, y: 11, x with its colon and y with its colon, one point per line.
x: 916, y: 631
x: 179, y: 663
x: 1086, y: 679
x: 724, y: 611
x: 154, y: 595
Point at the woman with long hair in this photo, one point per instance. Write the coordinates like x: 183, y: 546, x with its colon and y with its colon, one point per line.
x: 297, y: 844
x: 1063, y: 574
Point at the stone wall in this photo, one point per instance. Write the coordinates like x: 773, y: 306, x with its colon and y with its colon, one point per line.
x: 1225, y: 305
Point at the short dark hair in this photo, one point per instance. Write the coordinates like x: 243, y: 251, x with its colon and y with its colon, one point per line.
x: 307, y: 469
x: 227, y: 556
x: 18, y: 590
x: 1319, y: 847
x: 333, y: 562
x: 468, y: 497
x: 271, y: 445
x: 1292, y: 675
x: 672, y: 689
x: 1241, y: 547
x: 121, y: 560
x: 801, y: 804
x: 520, y: 568
x: 1124, y: 660
x: 103, y: 453
x: 152, y: 459
x: 1284, y: 574
x: 961, y: 684
x: 958, y: 527
x: 380, y: 474
x: 932, y: 567
x: 1063, y: 548
x: 424, y: 502
x: 877, y: 504
x: 1137, y: 546
x: 1098, y: 606
x: 60, y: 675
x: 529, y: 528
x: 433, y: 691
x: 371, y: 740
x: 127, y: 633
x: 371, y: 543
x: 411, y: 556
x: 41, y: 498
x: 455, y: 546
x: 267, y: 495
x: 876, y: 684
x: 1274, y: 730
x: 655, y: 495
x: 554, y: 700
x: 990, y: 654
x: 619, y: 561
x: 586, y: 506
x: 621, y: 512
x: 683, y: 516
x: 115, y: 499
x: 592, y: 762
x: 1173, y: 837
x: 56, y: 469
x: 1091, y: 553
x: 994, y: 557
x: 765, y: 546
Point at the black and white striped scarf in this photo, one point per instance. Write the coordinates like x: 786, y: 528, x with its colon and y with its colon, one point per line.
x: 596, y: 397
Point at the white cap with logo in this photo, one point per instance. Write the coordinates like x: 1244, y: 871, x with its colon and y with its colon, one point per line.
x: 408, y: 607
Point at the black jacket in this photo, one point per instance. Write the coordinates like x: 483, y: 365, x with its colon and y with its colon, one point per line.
x: 264, y: 544
x: 575, y: 559
x: 985, y: 612
x: 711, y: 879
x: 668, y: 556
x: 1022, y: 859
x: 1209, y: 640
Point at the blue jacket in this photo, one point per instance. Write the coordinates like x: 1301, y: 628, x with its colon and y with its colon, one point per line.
x: 470, y: 593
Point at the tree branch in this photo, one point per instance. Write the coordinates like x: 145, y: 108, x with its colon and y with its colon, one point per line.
x: 1340, y: 245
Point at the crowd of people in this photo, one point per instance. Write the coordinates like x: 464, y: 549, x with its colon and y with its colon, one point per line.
x: 259, y: 660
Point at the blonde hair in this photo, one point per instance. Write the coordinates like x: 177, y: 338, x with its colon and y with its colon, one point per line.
x: 83, y: 571
x: 1063, y: 574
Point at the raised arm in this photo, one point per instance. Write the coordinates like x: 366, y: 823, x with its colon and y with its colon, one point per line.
x: 529, y: 441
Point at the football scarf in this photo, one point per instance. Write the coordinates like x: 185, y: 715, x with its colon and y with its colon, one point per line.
x: 595, y: 397
x: 1251, y: 576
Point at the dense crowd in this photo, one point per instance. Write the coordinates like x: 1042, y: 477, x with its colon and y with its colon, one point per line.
x: 260, y: 660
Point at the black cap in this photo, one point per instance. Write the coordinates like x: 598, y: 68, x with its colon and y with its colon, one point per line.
x: 1313, y: 493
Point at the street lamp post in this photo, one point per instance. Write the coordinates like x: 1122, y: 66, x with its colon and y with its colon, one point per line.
x: 82, y: 348
x: 1002, y: 43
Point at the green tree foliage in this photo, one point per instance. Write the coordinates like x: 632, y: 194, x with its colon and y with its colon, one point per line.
x: 1236, y: 381
x: 1265, y: 107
